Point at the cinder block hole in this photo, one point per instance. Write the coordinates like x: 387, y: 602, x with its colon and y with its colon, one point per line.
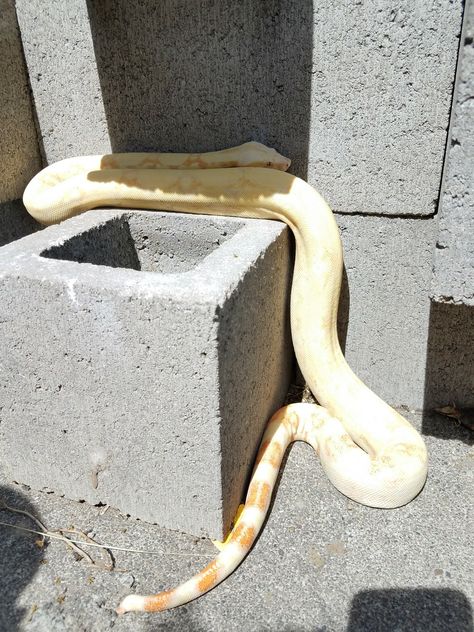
x: 148, y: 241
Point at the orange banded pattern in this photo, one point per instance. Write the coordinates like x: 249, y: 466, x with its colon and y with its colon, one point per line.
x: 296, y: 422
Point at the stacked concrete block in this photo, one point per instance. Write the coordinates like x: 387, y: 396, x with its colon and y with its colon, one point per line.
x: 169, y: 76
x: 385, y: 319
x: 142, y: 354
x: 383, y: 75
x: 358, y: 95
x: 59, y: 53
x: 19, y: 152
x: 18, y: 146
x: 453, y: 281
x: 408, y: 351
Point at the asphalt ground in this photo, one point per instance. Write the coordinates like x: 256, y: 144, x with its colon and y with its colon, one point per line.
x: 322, y: 562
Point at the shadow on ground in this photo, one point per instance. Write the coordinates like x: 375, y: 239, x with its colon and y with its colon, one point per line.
x: 410, y: 610
x: 19, y: 558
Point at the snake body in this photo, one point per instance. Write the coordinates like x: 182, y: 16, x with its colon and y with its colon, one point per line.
x: 368, y: 450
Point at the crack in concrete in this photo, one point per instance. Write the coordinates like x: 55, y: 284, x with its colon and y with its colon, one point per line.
x: 389, y: 216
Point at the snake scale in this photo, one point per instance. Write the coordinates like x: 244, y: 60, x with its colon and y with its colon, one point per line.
x: 369, y: 451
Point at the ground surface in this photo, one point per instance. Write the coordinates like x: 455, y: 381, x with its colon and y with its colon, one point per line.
x: 322, y: 563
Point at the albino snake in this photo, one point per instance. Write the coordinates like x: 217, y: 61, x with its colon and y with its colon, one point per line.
x: 369, y: 452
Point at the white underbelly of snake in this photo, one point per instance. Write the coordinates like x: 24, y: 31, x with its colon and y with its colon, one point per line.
x: 369, y: 452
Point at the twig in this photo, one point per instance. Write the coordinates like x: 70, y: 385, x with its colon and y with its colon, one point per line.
x: 75, y: 548
x: 45, y: 532
x: 106, y: 566
x: 56, y: 536
x: 3, y: 505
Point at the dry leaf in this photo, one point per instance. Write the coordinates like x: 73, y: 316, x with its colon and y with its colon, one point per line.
x: 449, y: 411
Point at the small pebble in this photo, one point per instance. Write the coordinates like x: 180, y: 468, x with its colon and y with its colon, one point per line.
x: 127, y: 579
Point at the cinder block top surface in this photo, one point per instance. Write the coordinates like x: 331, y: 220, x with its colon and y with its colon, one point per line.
x: 143, y: 253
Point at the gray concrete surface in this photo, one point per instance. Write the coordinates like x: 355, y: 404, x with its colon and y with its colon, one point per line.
x: 382, y: 79
x: 63, y: 76
x: 322, y: 563
x: 453, y: 281
x: 141, y: 356
x: 409, y: 351
x: 19, y: 153
x: 358, y: 95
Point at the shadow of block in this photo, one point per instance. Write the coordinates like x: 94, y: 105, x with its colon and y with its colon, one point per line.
x: 15, y: 222
x: 410, y: 610
x: 449, y: 374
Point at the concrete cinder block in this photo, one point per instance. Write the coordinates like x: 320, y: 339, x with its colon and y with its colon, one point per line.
x: 380, y: 103
x: 142, y: 354
x: 453, y: 281
x: 408, y: 352
x: 357, y: 94
x: 19, y: 153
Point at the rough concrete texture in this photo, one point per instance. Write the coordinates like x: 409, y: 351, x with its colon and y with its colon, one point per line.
x: 453, y: 281
x: 61, y: 64
x: 322, y: 563
x: 408, y: 351
x: 357, y: 94
x: 19, y: 154
x: 141, y: 359
x: 382, y: 82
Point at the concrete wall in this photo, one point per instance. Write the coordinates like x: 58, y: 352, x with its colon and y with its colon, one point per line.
x: 357, y: 94
x: 18, y: 146
x: 453, y: 281
x: 19, y: 152
x: 410, y: 351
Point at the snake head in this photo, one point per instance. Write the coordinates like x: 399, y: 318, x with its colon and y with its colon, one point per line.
x: 254, y: 154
